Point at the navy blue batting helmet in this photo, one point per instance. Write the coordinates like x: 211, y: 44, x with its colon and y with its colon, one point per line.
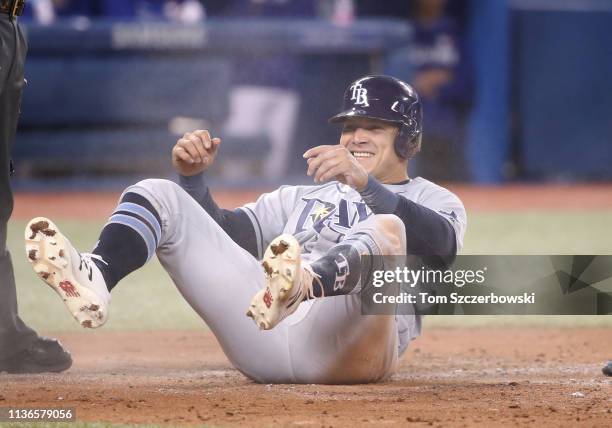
x: 388, y: 99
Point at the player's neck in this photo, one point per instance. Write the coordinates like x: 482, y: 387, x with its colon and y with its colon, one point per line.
x: 395, y: 176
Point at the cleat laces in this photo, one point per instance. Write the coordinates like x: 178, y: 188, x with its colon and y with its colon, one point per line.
x: 306, y: 291
x: 87, y: 259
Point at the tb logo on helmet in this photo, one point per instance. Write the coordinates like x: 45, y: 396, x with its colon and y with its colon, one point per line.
x: 359, y: 95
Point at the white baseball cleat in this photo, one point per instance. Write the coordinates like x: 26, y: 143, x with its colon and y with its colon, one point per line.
x: 288, y: 283
x: 73, y: 275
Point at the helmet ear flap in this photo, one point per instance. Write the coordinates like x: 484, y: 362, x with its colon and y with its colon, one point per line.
x: 407, y: 142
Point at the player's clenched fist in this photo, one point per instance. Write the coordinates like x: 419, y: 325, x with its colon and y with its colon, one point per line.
x: 336, y: 162
x: 194, y: 152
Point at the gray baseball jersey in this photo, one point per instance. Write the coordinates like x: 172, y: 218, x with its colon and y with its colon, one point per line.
x: 320, y: 216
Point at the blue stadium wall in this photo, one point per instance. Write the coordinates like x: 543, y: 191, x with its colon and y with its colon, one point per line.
x: 543, y: 109
x: 562, y: 89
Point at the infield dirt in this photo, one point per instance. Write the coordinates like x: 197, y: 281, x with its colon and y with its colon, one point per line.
x: 449, y: 377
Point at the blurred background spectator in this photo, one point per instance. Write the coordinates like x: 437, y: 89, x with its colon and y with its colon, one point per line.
x: 263, y: 101
x: 441, y: 76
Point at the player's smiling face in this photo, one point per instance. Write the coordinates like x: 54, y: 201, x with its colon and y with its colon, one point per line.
x: 371, y: 142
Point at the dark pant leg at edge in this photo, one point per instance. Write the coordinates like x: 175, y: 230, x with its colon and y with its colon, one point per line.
x: 14, y: 334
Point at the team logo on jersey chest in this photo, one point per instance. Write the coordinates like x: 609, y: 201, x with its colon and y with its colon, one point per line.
x: 319, y: 214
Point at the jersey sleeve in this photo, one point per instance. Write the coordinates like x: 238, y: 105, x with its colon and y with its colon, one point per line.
x: 449, y: 206
x: 270, y: 213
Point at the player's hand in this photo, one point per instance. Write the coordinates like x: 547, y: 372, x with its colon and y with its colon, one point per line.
x: 336, y: 162
x: 194, y: 152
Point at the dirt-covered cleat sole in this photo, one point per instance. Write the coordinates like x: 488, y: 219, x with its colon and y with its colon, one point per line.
x: 283, y: 291
x: 59, y: 265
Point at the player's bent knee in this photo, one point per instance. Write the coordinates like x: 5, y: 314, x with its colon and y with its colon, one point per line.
x: 156, y: 187
x: 390, y: 222
x: 392, y: 233
x: 156, y: 184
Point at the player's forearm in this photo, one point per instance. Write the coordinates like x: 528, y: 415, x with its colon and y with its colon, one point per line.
x: 427, y: 233
x: 380, y: 199
x: 235, y: 223
x: 196, y: 186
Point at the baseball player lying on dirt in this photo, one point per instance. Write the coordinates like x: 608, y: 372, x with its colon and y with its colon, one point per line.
x: 308, y: 324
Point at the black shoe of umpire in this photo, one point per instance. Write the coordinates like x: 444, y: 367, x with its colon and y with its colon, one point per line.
x: 607, y: 370
x: 43, y: 355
